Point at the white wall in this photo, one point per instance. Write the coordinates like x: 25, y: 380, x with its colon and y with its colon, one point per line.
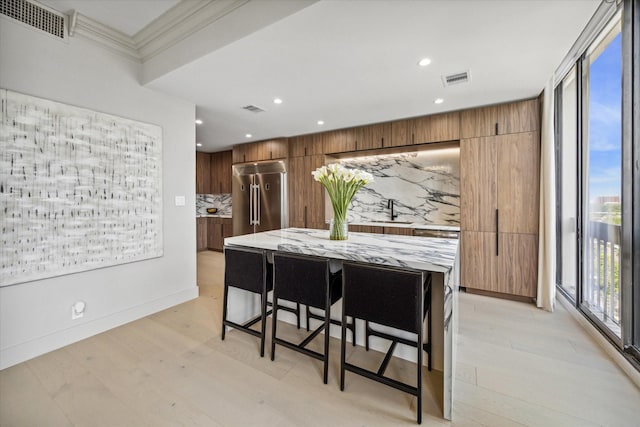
x: 35, y: 317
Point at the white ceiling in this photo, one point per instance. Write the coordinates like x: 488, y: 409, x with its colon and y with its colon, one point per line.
x: 352, y: 62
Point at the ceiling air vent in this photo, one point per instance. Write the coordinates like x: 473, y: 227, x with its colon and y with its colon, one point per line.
x: 34, y: 16
x: 457, y: 78
x: 253, y: 109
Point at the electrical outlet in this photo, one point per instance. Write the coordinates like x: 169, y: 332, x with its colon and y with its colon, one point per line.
x: 77, y: 310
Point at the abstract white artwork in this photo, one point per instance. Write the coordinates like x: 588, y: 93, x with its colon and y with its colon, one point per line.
x: 79, y: 189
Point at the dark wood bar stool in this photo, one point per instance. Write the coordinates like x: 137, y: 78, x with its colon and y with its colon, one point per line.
x: 306, y: 280
x: 249, y: 270
x: 393, y: 297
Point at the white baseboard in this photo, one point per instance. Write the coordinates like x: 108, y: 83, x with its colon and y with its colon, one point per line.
x: 27, y: 350
x: 620, y: 360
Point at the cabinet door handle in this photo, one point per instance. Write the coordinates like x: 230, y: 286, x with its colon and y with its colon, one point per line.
x: 496, y: 128
x: 305, y: 217
x: 382, y: 141
x: 497, y: 233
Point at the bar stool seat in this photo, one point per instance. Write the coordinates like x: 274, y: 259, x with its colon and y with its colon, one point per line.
x: 248, y: 269
x: 394, y: 297
x: 308, y: 281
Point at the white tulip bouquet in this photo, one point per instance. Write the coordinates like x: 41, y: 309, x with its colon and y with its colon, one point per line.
x: 341, y: 184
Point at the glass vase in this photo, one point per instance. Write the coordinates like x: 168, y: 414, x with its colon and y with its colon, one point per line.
x: 338, y: 229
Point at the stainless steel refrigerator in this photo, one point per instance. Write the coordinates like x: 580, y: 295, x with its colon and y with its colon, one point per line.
x: 259, y: 192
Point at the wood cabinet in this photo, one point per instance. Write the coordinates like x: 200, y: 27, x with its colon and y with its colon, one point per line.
x: 373, y: 136
x: 221, y: 163
x: 400, y: 231
x: 201, y: 234
x: 502, y: 119
x: 435, y: 128
x: 499, y: 187
x: 217, y: 230
x: 263, y: 150
x: 366, y: 229
x: 203, y: 173
x: 339, y: 141
x: 400, y: 133
x: 305, y: 145
x: 306, y: 196
x: 426, y: 129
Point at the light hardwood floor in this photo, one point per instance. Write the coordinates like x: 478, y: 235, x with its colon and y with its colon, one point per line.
x: 516, y: 365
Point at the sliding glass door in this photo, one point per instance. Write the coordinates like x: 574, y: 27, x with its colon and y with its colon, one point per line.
x: 602, y: 180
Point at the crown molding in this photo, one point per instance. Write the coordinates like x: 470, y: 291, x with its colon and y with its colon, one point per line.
x: 114, y: 40
x: 178, y: 23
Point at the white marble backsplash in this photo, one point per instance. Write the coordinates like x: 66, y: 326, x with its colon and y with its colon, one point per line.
x: 220, y: 201
x: 424, y: 185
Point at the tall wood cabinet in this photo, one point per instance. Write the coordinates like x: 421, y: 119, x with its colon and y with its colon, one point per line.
x: 221, y: 163
x: 499, y: 206
x: 306, y: 196
x: 203, y: 172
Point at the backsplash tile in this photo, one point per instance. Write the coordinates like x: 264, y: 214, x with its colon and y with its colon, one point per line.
x: 220, y: 201
x: 425, y: 187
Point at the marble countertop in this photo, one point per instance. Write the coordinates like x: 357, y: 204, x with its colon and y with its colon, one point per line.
x: 213, y: 216
x: 414, y: 225
x: 421, y: 253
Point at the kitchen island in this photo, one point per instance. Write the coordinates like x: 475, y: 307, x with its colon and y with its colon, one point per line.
x: 437, y: 256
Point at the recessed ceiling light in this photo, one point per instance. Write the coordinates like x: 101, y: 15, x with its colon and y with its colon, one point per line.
x: 424, y: 62
x: 320, y: 122
x: 438, y: 101
x: 198, y: 121
x: 277, y: 101
x: 248, y: 135
x: 198, y: 144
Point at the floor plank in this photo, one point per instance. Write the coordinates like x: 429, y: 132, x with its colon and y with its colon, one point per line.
x: 516, y: 366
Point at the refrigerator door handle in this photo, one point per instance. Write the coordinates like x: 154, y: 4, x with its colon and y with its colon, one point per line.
x: 258, y: 201
x: 250, y: 204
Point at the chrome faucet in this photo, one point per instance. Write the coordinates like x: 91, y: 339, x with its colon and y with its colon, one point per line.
x: 390, y: 206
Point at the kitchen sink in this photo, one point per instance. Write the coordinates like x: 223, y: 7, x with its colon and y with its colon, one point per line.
x: 390, y: 222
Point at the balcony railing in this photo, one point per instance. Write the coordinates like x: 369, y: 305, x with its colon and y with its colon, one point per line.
x: 603, y: 270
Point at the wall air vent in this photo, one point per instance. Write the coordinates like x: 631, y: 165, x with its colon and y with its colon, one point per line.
x: 34, y: 15
x: 253, y: 109
x: 457, y: 78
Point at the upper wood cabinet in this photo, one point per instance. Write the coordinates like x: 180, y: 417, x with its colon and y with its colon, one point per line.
x: 502, y: 119
x: 305, y: 145
x: 339, y: 141
x: 435, y: 128
x: 373, y: 136
x: 426, y: 129
x: 221, y: 172
x: 203, y: 173
x: 262, y: 150
x: 400, y: 133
